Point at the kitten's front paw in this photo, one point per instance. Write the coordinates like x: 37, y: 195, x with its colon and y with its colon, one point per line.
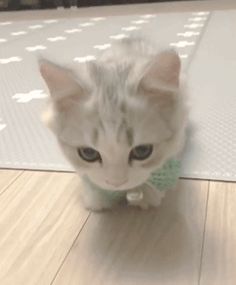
x: 136, y: 198
x: 145, y: 197
x: 96, y: 201
x: 153, y: 197
x: 96, y: 206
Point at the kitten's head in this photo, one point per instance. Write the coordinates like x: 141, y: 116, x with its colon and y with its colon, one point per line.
x: 117, y: 122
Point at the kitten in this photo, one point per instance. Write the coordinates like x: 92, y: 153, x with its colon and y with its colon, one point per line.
x: 118, y: 118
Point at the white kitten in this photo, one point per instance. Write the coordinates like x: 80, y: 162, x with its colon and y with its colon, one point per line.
x: 118, y: 118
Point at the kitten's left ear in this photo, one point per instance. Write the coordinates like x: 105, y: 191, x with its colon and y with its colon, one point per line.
x: 61, y: 82
x: 163, y: 72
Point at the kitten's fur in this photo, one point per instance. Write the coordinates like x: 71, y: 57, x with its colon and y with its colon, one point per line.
x: 131, y: 95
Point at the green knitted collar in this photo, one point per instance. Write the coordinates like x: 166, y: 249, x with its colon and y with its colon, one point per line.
x: 161, y: 180
x: 165, y: 177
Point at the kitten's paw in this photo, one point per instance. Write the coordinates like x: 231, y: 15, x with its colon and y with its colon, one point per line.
x: 96, y: 202
x: 145, y: 197
x: 136, y: 198
x: 97, y: 206
x: 150, y: 198
x: 153, y: 197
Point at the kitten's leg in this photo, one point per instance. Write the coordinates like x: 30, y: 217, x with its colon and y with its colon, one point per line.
x: 136, y: 198
x: 95, y: 200
x: 152, y: 197
x: 145, y: 197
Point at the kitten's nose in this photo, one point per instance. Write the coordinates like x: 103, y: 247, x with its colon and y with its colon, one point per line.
x: 116, y: 183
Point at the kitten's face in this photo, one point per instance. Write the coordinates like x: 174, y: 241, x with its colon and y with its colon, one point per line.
x: 117, y: 130
x: 117, y: 150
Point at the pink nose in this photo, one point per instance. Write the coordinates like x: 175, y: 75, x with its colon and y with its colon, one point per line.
x: 116, y: 183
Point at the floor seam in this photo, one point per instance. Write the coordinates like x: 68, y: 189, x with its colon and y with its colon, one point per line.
x: 204, y: 234
x: 67, y: 254
x: 11, y: 183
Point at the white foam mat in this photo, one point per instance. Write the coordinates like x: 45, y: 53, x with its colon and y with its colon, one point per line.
x: 26, y: 144
x: 211, y: 148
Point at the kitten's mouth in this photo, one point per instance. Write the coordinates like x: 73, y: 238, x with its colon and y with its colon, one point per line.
x: 121, y: 187
x: 116, y: 185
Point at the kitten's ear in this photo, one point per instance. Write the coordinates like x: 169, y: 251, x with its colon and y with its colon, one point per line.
x: 163, y: 72
x: 61, y: 82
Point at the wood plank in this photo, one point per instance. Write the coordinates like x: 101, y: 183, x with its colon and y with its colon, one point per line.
x: 40, y: 218
x: 160, y: 246
x: 7, y: 177
x: 219, y: 255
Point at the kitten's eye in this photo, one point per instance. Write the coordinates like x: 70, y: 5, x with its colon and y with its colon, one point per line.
x: 89, y: 154
x: 141, y: 152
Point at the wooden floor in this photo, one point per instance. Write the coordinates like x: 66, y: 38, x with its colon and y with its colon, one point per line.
x: 46, y: 237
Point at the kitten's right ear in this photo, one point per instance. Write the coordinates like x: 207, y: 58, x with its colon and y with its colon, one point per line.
x: 61, y: 82
x: 163, y: 72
